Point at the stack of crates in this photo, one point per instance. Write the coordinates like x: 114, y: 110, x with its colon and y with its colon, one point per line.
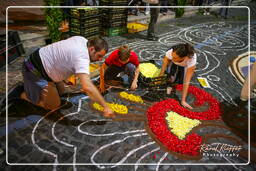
x: 114, y: 20
x: 85, y: 22
x: 15, y: 48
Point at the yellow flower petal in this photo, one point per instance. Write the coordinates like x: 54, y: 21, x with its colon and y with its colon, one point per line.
x: 118, y: 108
x: 180, y: 125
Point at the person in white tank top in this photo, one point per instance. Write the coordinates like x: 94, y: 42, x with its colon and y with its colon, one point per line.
x: 181, y: 55
x: 46, y: 68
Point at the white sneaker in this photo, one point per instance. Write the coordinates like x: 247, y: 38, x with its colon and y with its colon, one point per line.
x: 243, y: 99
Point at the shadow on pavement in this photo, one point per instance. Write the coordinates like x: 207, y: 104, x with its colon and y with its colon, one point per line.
x: 19, y: 108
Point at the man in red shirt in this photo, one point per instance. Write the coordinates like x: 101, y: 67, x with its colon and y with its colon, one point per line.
x: 121, y: 60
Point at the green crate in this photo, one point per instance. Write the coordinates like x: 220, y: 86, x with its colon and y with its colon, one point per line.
x: 114, y: 10
x: 78, y: 30
x: 115, y: 31
x: 87, y: 36
x: 112, y: 16
x: 85, y: 22
x: 84, y: 12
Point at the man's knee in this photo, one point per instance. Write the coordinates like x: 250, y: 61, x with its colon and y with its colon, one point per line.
x: 50, y: 97
x: 52, y: 105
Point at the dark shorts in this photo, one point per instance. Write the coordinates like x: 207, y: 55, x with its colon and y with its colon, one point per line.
x: 176, y: 73
x: 34, y: 77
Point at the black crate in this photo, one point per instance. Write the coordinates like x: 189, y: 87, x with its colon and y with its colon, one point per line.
x: 114, y: 16
x: 87, y: 36
x: 84, y: 12
x: 15, y: 47
x: 85, y: 30
x: 114, y: 10
x: 86, y: 22
x: 115, y: 23
x: 152, y: 82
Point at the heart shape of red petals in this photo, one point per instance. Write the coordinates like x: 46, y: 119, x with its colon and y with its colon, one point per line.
x: 157, y: 123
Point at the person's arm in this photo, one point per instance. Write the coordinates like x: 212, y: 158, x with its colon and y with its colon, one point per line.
x: 165, y: 63
x: 102, y: 79
x: 94, y: 94
x: 186, y: 82
x: 135, y: 79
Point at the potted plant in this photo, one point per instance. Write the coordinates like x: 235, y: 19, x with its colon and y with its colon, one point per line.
x: 53, y: 19
x: 180, y: 11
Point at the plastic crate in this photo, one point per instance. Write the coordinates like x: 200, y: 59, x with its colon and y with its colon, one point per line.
x: 115, y: 16
x: 115, y: 23
x: 115, y: 31
x: 90, y: 22
x: 15, y: 47
x: 152, y: 82
x: 84, y: 30
x: 87, y: 36
x: 84, y: 12
x: 114, y: 10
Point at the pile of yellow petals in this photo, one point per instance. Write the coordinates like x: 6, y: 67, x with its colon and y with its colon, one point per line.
x: 94, y: 67
x: 118, y: 108
x: 149, y: 70
x: 131, y: 97
x: 180, y: 125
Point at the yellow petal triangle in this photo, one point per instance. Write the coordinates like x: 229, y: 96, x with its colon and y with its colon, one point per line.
x: 180, y: 125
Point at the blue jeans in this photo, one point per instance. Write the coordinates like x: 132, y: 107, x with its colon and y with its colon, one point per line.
x: 224, y: 11
x: 113, y: 71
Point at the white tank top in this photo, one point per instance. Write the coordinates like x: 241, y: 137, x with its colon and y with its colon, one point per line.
x: 65, y: 58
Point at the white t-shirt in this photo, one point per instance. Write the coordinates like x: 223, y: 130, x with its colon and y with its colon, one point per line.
x: 186, y: 63
x: 65, y: 58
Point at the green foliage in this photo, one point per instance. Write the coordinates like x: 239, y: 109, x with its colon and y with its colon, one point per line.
x: 53, y: 18
x: 180, y: 11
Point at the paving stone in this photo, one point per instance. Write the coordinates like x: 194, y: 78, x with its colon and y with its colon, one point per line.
x: 165, y: 167
x: 36, y: 156
x: 12, y: 159
x: 180, y: 168
x: 47, y: 159
x: 86, y: 145
x: 43, y: 142
x: 25, y: 150
x: 211, y: 167
x: 18, y: 167
x: 13, y: 144
x: 76, y: 143
x: 66, y: 156
x: 31, y: 168
x: 54, y: 148
x: 151, y: 167
x: 197, y: 168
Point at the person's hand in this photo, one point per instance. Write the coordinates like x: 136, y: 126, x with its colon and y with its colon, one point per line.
x: 134, y: 86
x: 107, y: 112
x: 186, y: 105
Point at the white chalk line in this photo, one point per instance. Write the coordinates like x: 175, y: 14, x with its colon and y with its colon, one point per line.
x: 117, y: 142
x: 144, y: 156
x: 161, y: 160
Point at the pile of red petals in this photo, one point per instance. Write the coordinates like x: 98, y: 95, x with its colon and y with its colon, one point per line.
x: 156, y: 115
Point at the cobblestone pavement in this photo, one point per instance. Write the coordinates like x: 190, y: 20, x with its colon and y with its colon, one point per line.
x: 84, y: 140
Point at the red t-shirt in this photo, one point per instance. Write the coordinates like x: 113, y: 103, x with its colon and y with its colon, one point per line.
x: 113, y: 59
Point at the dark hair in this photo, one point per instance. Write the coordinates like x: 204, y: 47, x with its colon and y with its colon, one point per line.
x: 99, y: 44
x: 184, y: 49
x: 124, y: 52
